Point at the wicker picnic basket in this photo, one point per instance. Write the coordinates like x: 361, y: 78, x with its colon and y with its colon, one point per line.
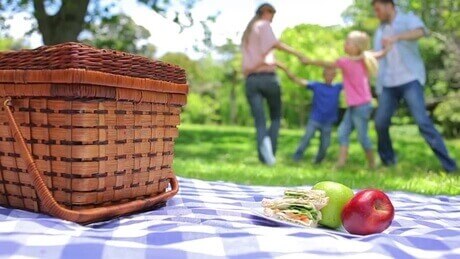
x: 87, y: 134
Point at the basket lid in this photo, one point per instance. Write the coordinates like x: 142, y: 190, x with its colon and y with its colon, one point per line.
x: 77, y: 57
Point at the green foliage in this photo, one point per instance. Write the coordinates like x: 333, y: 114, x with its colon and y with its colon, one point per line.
x: 232, y: 97
x: 209, y: 76
x: 11, y: 44
x: 205, y: 78
x: 182, y: 60
x: 241, y: 115
x: 200, y: 109
x: 120, y: 32
x: 360, y: 16
x: 221, y: 153
x: 448, y: 114
x: 439, y: 15
x: 204, y: 75
x: 432, y: 53
x: 315, y: 42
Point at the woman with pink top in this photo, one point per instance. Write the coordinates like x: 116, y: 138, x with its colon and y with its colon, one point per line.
x: 259, y: 67
x: 357, y: 67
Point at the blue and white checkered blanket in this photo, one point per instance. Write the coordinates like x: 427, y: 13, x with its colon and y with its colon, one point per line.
x: 214, y: 219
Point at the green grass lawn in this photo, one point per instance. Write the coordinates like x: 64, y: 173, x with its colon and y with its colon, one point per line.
x: 228, y: 154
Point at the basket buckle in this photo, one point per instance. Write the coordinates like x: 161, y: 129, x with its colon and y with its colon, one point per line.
x: 8, y: 102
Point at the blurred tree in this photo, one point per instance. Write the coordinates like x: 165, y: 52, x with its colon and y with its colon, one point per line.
x: 200, y: 109
x: 360, y: 16
x: 210, y: 76
x: 205, y: 78
x: 121, y: 33
x: 11, y: 44
x: 204, y: 75
x: 71, y: 16
x: 233, y: 79
x: 448, y: 115
x: 182, y: 60
x: 441, y: 16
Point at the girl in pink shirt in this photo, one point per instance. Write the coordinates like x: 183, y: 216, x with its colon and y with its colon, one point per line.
x: 357, y: 67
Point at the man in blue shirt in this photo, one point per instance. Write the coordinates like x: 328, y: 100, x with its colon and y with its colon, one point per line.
x: 323, y: 114
x: 402, y: 76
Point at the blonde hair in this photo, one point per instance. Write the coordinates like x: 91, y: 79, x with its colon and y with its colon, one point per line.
x: 363, y: 42
x: 260, y: 11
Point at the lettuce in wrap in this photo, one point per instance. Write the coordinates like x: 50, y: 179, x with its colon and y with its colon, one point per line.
x: 297, y: 206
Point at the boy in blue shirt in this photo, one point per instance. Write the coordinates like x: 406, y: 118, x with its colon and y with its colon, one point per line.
x: 324, y: 112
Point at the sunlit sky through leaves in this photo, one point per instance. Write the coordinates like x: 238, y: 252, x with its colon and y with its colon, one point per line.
x: 234, y: 15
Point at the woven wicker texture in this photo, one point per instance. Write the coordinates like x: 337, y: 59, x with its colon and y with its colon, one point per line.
x: 77, y: 55
x: 87, y: 140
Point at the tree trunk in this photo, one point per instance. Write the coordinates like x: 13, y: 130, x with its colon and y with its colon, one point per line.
x: 65, y: 25
x: 233, y: 103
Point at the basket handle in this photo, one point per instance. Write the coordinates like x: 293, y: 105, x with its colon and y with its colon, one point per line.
x: 80, y: 216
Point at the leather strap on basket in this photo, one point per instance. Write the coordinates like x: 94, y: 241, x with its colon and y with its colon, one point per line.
x: 81, y: 216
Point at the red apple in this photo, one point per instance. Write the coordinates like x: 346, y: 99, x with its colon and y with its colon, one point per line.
x: 368, y: 212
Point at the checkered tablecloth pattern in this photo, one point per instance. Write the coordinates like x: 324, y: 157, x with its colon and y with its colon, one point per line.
x: 214, y: 220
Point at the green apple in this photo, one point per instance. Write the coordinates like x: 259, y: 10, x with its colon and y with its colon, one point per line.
x: 339, y: 195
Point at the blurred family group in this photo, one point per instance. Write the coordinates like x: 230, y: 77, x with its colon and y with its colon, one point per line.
x: 395, y: 61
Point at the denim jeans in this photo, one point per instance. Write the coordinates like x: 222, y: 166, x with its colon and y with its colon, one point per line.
x: 260, y: 87
x: 356, y: 117
x: 412, y: 94
x: 325, y: 140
